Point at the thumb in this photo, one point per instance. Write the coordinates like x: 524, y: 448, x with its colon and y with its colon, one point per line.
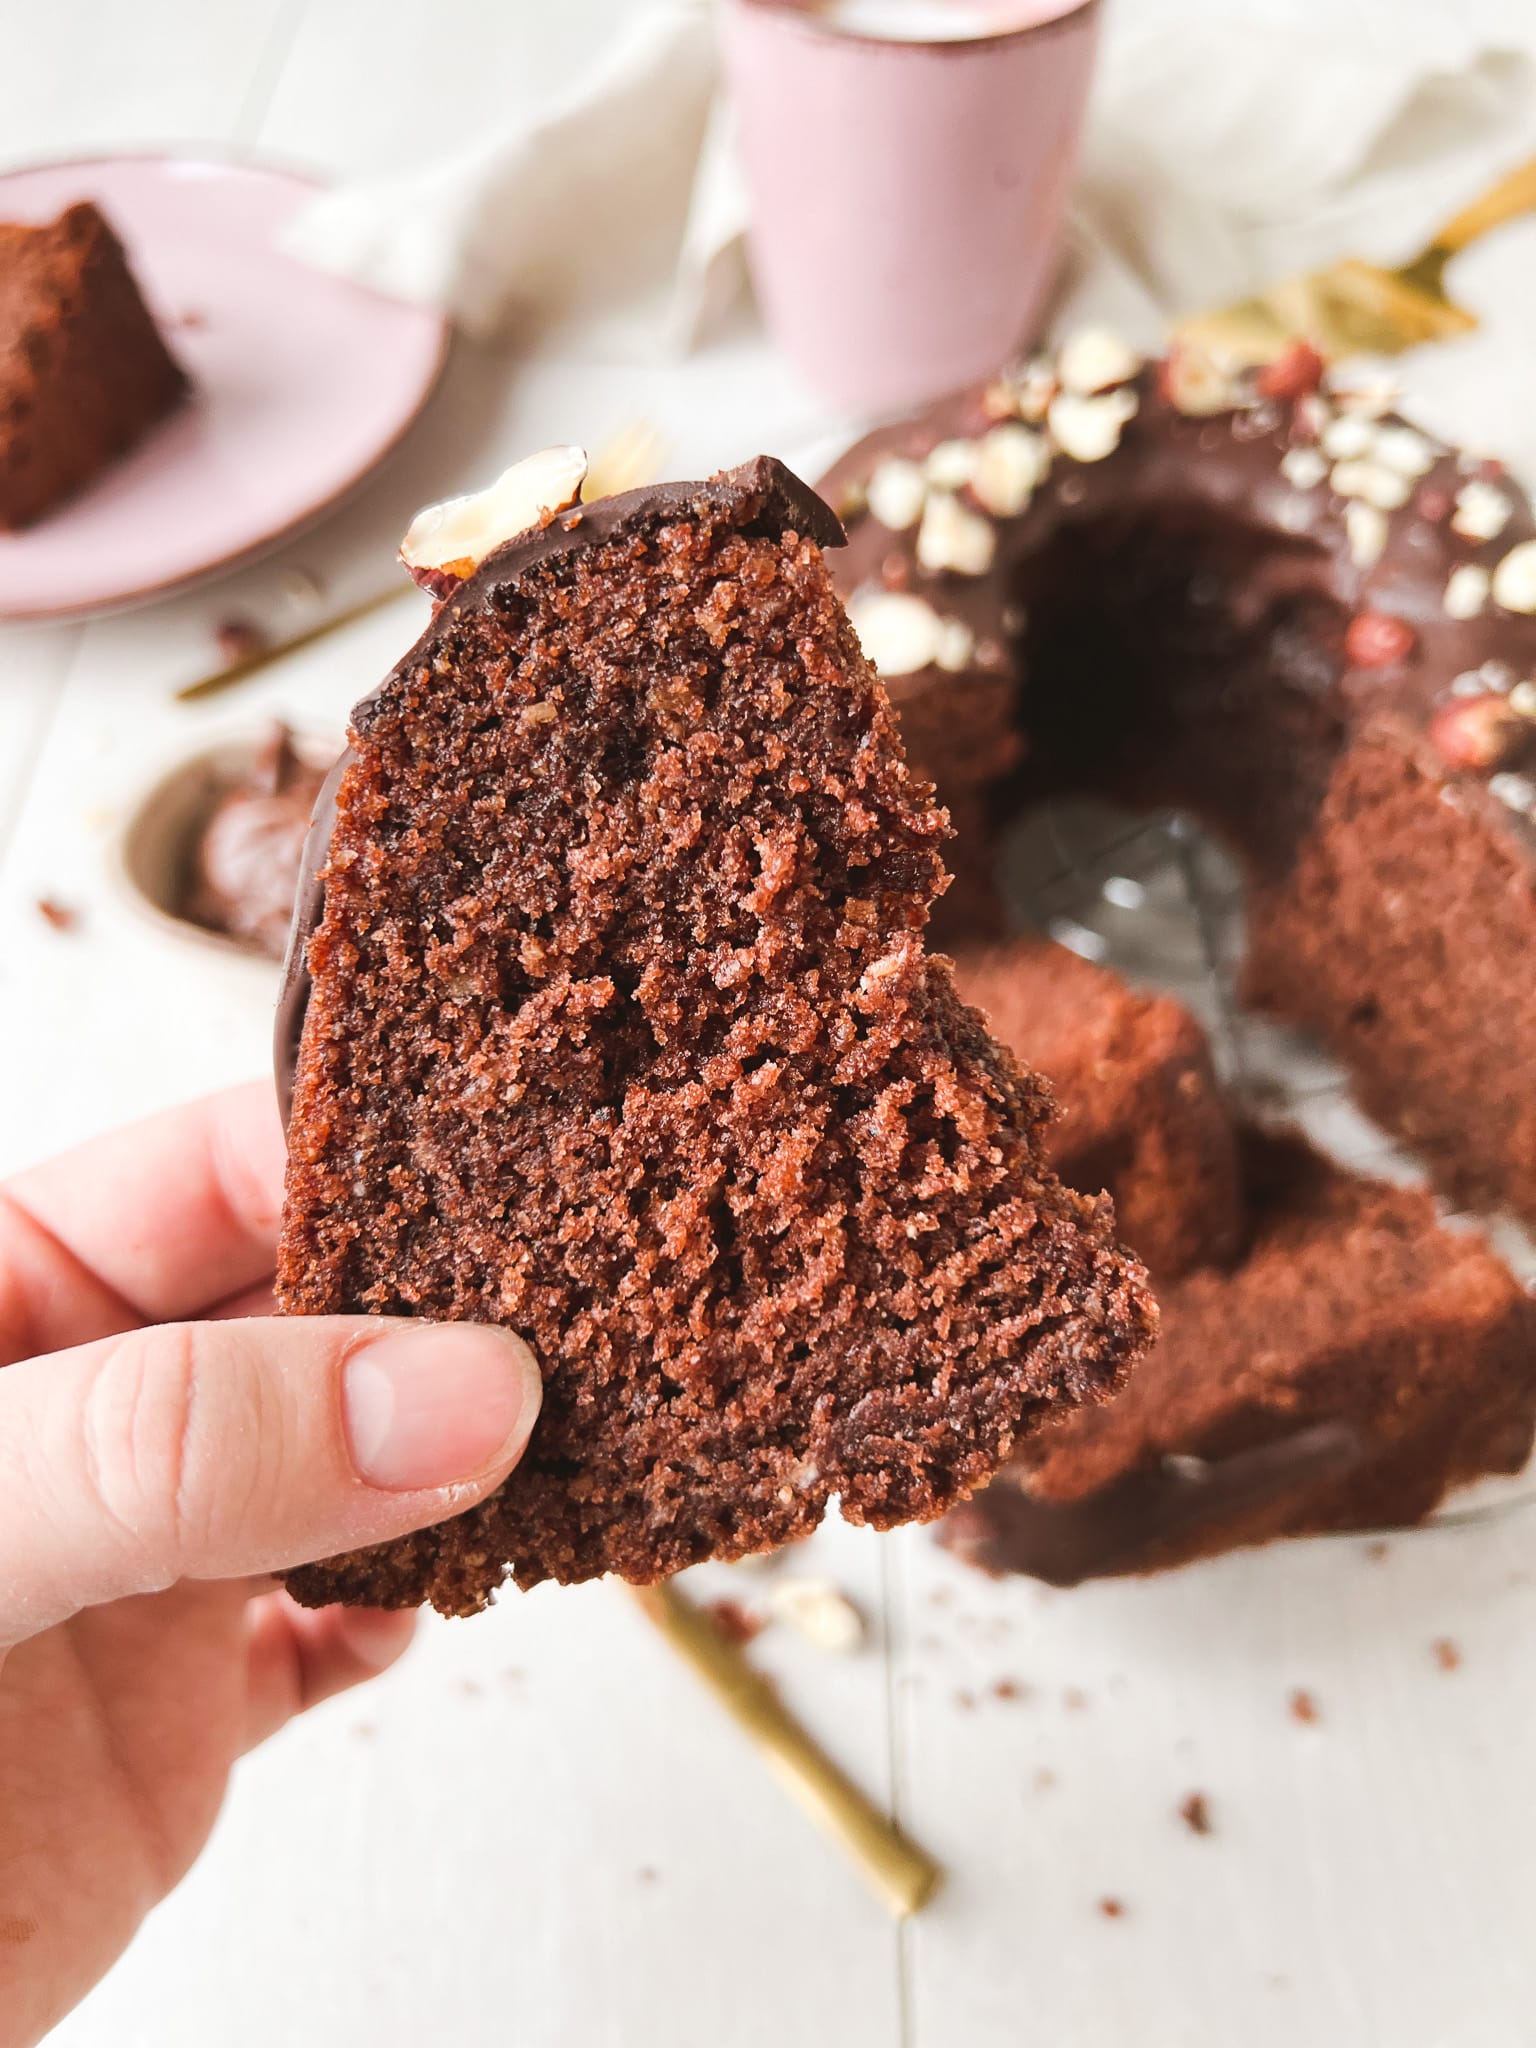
x: 218, y: 1450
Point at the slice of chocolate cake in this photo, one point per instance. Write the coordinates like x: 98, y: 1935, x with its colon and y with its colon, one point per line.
x: 613, y: 1024
x: 1141, y: 1113
x: 83, y: 370
x: 1361, y: 1361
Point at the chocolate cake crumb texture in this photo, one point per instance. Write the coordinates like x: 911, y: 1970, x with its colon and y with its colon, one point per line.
x: 83, y: 372
x: 615, y: 1026
x: 1141, y: 1114
x: 60, y: 916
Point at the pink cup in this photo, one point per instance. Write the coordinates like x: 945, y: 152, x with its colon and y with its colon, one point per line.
x: 907, y: 196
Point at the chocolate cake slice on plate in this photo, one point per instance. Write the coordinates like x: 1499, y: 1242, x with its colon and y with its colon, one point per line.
x: 609, y: 1019
x: 84, y: 373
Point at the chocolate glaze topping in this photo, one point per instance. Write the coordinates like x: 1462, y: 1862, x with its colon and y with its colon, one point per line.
x: 776, y: 502
x: 1123, y: 1528
x: 1313, y: 473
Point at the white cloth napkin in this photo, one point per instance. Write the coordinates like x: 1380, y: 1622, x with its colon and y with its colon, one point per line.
x: 1230, y: 147
x: 1225, y: 147
x: 579, y: 222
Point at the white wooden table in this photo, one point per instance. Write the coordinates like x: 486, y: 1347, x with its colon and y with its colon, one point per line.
x: 538, y: 1832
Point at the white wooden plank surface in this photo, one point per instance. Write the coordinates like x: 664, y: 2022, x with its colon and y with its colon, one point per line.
x: 464, y: 1852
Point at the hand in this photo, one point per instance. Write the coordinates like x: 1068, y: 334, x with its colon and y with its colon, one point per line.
x: 152, y: 1470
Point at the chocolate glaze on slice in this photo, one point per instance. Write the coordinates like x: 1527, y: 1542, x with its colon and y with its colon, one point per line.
x: 783, y: 502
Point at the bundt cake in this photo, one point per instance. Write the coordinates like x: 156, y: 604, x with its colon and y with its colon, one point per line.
x: 1360, y: 1360
x: 608, y: 1017
x: 83, y: 370
x: 1267, y: 599
x: 1139, y: 1112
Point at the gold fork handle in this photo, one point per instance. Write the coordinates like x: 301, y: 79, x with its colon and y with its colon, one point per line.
x: 1507, y: 200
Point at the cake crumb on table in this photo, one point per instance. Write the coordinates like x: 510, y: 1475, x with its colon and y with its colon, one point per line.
x: 1446, y: 1654
x: 738, y: 1624
x: 1195, y: 1812
x: 1304, y: 1707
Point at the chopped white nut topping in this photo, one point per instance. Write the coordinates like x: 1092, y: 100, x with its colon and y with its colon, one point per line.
x: 1034, y: 388
x: 1406, y: 450
x: 1011, y: 462
x: 1522, y: 698
x: 1094, y: 360
x: 1197, y: 384
x: 1303, y: 467
x: 1381, y: 487
x: 953, y: 537
x: 1088, y: 429
x: 1518, y: 792
x: 951, y: 464
x: 826, y: 1618
x: 896, y: 493
x: 899, y: 632
x: 955, y: 646
x: 1369, y: 398
x: 1482, y: 510
x: 1466, y: 591
x: 454, y: 538
x: 1514, y: 580
x: 1470, y: 683
x: 1366, y: 530
x: 1346, y: 437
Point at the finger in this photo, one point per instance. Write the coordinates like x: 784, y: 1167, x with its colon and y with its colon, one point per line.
x: 250, y: 1301
x: 299, y: 1656
x: 48, y: 1300
x: 173, y: 1213
x: 218, y: 1450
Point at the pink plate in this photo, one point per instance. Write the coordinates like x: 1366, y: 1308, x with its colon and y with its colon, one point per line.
x: 301, y: 384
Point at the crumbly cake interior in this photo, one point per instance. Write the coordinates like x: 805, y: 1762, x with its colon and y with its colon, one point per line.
x: 1140, y: 1110
x: 622, y: 1033
x: 83, y: 370
x: 1403, y: 936
x: 1354, y: 1305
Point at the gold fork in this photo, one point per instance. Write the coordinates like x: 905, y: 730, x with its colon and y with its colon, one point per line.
x: 1353, y: 307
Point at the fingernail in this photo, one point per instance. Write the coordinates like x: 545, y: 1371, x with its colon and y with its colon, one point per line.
x: 438, y: 1404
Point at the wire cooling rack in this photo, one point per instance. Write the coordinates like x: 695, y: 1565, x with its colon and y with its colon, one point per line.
x: 1158, y: 900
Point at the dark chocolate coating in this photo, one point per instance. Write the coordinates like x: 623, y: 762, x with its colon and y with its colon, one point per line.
x: 1124, y: 1528
x: 1223, y: 471
x: 784, y: 504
